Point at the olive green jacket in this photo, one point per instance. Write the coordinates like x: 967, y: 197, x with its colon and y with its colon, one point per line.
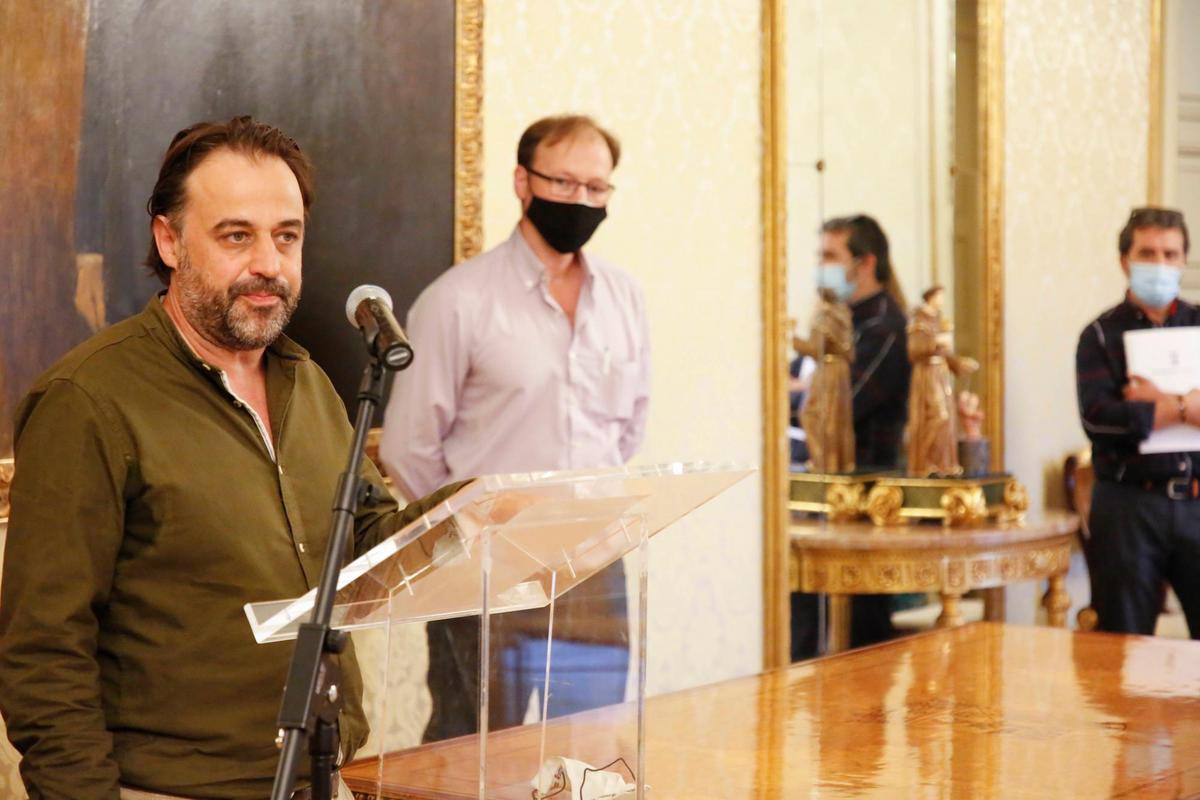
x: 147, y: 509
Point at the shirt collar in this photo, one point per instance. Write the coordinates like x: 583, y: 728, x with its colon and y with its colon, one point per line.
x: 531, y: 271
x: 1133, y: 309
x: 869, y: 306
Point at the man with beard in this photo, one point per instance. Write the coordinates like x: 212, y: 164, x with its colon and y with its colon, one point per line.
x: 169, y: 470
x: 538, y: 359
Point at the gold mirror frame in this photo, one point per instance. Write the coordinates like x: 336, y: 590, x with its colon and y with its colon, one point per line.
x: 468, y: 128
x: 776, y: 548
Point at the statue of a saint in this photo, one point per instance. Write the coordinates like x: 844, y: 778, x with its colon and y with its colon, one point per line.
x: 828, y: 415
x: 932, y: 410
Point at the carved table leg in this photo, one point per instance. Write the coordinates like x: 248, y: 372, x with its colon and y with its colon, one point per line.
x: 839, y: 622
x: 994, y: 604
x: 951, y: 615
x: 1057, y: 602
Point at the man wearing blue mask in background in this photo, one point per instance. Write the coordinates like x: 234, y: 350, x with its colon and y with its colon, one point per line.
x: 856, y: 266
x: 1145, y: 513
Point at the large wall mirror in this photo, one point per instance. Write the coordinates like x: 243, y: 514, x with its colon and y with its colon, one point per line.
x: 891, y: 110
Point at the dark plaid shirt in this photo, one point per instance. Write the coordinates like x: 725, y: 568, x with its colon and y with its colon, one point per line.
x: 879, y: 378
x: 1116, y: 426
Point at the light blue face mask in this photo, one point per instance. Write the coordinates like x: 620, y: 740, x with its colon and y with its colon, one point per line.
x: 1156, y: 285
x: 833, y: 277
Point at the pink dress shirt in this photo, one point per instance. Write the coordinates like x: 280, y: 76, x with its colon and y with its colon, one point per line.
x: 501, y: 382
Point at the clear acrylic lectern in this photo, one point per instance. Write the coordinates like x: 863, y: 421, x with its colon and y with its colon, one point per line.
x: 518, y: 543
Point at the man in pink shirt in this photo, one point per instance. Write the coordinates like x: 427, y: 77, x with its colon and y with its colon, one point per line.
x: 531, y: 356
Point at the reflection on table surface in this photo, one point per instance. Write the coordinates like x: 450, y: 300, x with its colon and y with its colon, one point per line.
x: 982, y: 711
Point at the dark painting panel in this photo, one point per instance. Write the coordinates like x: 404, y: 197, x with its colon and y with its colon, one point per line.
x: 41, y: 94
x: 366, y: 87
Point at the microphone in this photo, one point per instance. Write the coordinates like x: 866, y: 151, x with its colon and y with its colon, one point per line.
x: 369, y: 308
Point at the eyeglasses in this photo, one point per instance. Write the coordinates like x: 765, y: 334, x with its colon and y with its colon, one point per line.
x: 564, y: 188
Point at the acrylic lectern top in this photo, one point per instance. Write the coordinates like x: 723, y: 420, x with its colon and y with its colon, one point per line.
x: 503, y: 543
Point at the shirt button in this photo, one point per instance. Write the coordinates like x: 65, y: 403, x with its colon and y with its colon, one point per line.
x: 280, y: 469
x: 300, y: 547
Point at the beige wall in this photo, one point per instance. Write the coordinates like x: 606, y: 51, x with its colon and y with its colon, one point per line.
x: 679, y: 83
x: 1076, y: 116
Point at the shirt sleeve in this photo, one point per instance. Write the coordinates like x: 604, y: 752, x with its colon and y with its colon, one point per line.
x: 64, y: 535
x: 380, y: 516
x: 635, y: 429
x: 424, y: 400
x: 1106, y: 416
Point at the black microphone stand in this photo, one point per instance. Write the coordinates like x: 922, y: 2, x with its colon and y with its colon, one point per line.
x: 312, y: 697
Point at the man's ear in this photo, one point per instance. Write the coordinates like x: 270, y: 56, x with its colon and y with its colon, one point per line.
x: 521, y: 185
x: 866, y: 264
x: 167, y: 240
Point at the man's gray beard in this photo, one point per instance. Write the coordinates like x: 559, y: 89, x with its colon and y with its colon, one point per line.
x: 216, y: 314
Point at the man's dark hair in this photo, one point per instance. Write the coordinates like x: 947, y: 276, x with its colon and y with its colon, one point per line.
x: 1152, y: 217
x: 552, y: 130
x: 865, y: 236
x: 193, y: 144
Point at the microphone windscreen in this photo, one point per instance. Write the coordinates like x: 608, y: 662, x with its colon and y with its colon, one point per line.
x: 365, y: 292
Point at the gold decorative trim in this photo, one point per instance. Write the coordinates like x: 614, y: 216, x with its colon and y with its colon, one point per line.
x: 776, y: 609
x: 1016, y: 503
x: 845, y: 501
x: 6, y: 476
x: 884, y: 504
x: 1154, y: 152
x: 991, y: 136
x: 934, y: 570
x: 468, y: 128
x: 964, y: 506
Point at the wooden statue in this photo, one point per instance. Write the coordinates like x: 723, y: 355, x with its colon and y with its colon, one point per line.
x: 828, y: 415
x: 932, y: 410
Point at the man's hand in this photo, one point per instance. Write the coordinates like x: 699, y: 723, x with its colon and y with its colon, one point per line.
x: 1143, y: 390
x: 1191, y: 402
x: 1167, y: 407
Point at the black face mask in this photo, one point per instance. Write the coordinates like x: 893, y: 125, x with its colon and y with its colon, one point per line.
x: 565, y: 226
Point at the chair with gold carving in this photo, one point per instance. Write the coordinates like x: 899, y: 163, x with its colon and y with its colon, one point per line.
x: 1078, y: 479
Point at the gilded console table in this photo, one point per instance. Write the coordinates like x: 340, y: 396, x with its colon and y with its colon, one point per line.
x: 841, y: 559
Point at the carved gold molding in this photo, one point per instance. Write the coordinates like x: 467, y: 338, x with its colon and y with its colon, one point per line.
x: 906, y: 570
x: 6, y: 475
x: 468, y: 129
x: 776, y: 608
x: 884, y: 504
x: 964, y: 506
x: 991, y: 137
x: 1154, y: 154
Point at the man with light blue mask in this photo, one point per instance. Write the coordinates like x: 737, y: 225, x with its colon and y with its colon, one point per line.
x: 1144, y: 521
x: 856, y: 266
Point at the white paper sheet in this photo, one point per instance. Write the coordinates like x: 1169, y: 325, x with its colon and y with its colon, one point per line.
x: 1170, y: 359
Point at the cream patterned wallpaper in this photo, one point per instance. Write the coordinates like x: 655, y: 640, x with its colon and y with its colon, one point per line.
x: 679, y: 84
x: 1076, y: 115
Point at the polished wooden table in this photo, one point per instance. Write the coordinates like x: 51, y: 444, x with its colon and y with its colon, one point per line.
x: 841, y: 559
x: 975, y: 712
